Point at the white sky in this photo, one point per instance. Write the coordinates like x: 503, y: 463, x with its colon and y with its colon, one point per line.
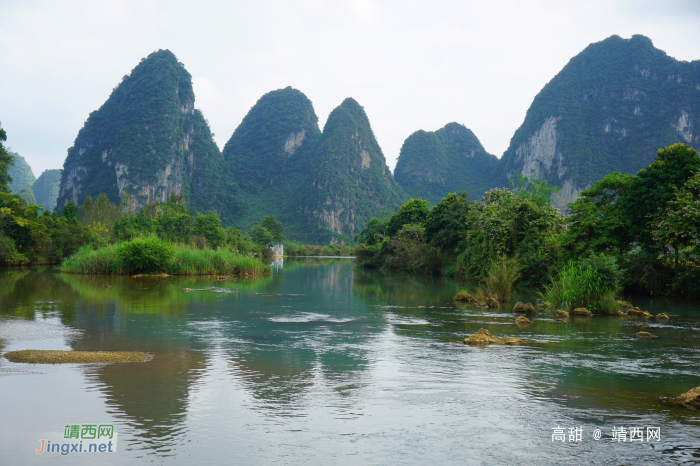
x: 411, y: 64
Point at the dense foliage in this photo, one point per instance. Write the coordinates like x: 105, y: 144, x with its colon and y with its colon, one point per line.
x: 637, y: 233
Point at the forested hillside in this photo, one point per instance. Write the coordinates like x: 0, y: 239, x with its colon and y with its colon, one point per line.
x: 609, y: 109
x: 46, y: 188
x: 349, y: 182
x: 148, y: 141
x: 21, y: 173
x: 451, y: 159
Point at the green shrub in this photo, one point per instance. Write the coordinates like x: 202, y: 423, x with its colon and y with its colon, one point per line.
x: 501, y: 276
x: 582, y: 285
x: 145, y: 254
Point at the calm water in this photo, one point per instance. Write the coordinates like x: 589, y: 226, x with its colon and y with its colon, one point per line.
x: 323, y: 363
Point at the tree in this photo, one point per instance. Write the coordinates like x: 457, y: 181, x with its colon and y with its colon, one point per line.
x: 598, y: 222
x: 446, y: 226
x: 275, y: 228
x: 656, y: 185
x: 209, y: 226
x: 70, y: 211
x: 501, y: 224
x: 99, y: 216
x: 260, y: 235
x: 679, y: 223
x: 538, y: 191
x: 413, y: 211
x: 373, y: 233
x: 6, y: 162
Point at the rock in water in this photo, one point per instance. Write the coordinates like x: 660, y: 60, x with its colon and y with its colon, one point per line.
x: 524, y: 308
x: 484, y: 337
x: 690, y: 399
x: 662, y: 316
x: 61, y: 356
x: 643, y: 335
x: 522, y: 320
x: 561, y: 313
x: 635, y: 311
x: 581, y: 312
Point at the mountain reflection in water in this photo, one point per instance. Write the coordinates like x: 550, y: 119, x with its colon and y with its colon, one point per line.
x: 324, y: 362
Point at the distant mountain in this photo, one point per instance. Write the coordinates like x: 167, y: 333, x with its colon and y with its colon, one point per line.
x: 451, y: 159
x: 268, y: 153
x: 349, y: 181
x: 21, y: 173
x: 147, y: 140
x: 320, y: 185
x: 46, y: 188
x: 609, y: 109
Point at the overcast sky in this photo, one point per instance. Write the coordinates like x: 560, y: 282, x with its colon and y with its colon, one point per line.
x: 411, y: 64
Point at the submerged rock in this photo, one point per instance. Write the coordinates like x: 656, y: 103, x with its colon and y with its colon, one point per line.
x: 484, y: 337
x: 642, y: 325
x: 524, y: 308
x: 561, y: 313
x: 643, y: 335
x: 522, y: 320
x: 59, y: 357
x: 663, y: 315
x: 581, y: 312
x: 690, y: 399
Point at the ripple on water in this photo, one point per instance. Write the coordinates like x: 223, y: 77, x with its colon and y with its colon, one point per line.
x: 309, y: 317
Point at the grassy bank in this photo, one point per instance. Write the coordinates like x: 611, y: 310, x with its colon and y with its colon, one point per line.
x: 152, y: 255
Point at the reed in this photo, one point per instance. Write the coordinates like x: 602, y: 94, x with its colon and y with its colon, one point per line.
x: 501, y: 276
x: 581, y: 286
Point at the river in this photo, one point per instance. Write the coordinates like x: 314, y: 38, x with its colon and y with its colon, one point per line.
x: 324, y: 363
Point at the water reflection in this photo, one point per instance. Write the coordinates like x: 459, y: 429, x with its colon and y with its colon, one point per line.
x: 323, y: 357
x: 277, y: 264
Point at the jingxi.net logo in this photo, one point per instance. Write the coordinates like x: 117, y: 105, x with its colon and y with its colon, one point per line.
x: 81, y: 438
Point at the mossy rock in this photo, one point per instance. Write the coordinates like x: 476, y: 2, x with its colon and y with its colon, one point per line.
x: 690, y: 399
x: 465, y: 297
x: 524, y: 308
x: 662, y: 316
x: 484, y: 337
x: 522, y: 320
x: 643, y: 335
x: 60, y: 357
x: 561, y: 313
x: 635, y: 311
x: 581, y: 312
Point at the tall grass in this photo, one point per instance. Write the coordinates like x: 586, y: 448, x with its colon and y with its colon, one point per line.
x: 185, y: 260
x: 501, y: 276
x: 579, y: 285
